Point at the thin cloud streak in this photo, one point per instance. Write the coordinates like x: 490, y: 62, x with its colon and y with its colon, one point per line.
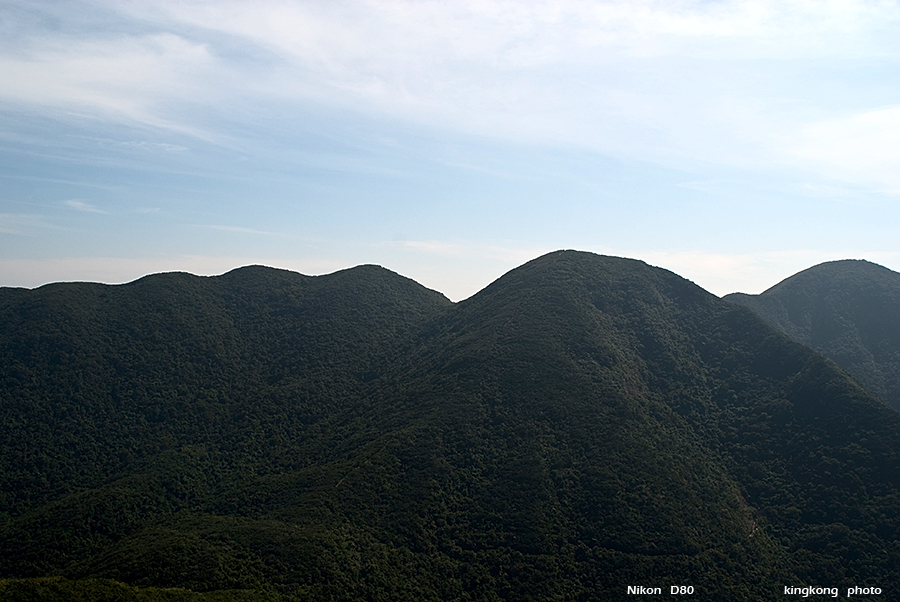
x: 236, y: 229
x: 598, y: 75
x: 82, y: 206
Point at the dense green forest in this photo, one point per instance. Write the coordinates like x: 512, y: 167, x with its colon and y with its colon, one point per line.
x: 60, y: 589
x: 583, y: 424
x: 847, y: 310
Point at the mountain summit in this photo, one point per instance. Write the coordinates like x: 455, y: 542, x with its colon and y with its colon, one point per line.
x: 847, y: 310
x: 581, y: 425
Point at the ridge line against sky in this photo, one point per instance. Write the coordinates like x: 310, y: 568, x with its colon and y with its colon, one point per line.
x: 733, y: 142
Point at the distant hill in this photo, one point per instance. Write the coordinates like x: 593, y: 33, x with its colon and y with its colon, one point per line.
x: 847, y: 310
x: 583, y: 424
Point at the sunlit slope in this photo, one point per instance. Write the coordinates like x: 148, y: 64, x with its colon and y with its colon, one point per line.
x: 582, y: 424
x: 848, y: 310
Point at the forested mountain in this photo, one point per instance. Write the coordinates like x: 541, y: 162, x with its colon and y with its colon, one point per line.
x: 847, y: 310
x: 583, y: 424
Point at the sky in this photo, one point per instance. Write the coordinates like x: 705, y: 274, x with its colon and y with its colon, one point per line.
x: 732, y: 142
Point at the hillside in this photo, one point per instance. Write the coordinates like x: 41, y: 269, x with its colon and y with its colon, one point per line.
x: 846, y: 310
x: 582, y: 424
x: 101, y: 378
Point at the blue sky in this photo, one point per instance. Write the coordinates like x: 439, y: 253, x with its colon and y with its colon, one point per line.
x: 733, y: 142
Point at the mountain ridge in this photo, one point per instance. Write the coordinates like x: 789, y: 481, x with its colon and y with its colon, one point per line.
x: 582, y: 423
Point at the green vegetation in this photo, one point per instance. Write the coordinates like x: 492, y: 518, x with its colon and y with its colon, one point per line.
x: 582, y: 424
x: 58, y: 589
x: 846, y: 310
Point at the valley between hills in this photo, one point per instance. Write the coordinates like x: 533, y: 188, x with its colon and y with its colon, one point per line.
x: 581, y: 425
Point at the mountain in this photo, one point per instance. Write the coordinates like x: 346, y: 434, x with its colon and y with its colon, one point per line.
x: 581, y: 425
x: 847, y: 310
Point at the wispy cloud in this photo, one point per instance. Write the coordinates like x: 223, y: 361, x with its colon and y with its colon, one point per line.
x: 666, y: 81
x: 237, y: 229
x: 82, y: 206
x: 121, y: 77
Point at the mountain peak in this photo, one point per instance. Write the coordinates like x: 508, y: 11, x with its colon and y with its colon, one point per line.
x: 838, y: 277
x: 846, y: 310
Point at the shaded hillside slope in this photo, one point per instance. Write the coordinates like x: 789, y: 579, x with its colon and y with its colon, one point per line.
x: 848, y: 310
x: 58, y: 589
x: 96, y: 379
x: 582, y: 424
